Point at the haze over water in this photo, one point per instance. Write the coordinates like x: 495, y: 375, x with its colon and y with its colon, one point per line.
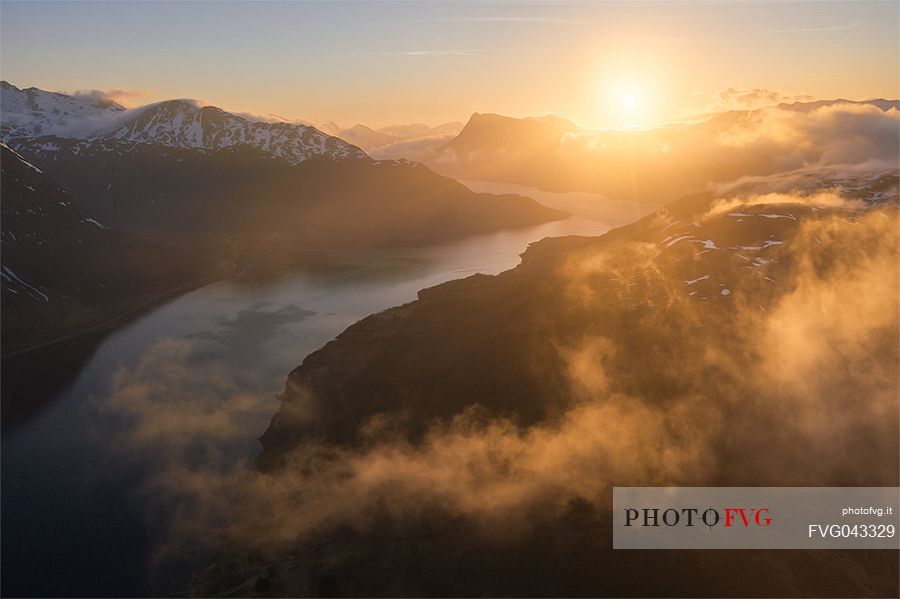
x: 141, y: 518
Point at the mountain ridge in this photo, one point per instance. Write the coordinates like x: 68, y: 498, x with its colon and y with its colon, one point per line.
x: 661, y: 164
x: 652, y: 355
x: 33, y: 115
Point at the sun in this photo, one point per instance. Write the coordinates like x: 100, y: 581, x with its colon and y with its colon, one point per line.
x: 625, y: 102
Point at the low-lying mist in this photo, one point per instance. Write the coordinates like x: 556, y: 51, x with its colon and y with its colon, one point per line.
x: 797, y: 385
x: 663, y: 163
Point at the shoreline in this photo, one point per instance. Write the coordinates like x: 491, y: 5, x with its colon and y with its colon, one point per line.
x: 123, y: 316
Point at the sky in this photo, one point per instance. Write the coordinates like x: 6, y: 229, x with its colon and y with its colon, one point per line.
x: 601, y: 64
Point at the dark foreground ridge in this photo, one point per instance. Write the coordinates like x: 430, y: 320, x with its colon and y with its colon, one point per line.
x: 467, y: 443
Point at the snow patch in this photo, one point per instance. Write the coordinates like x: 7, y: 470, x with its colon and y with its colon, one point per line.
x: 9, y: 275
x: 93, y: 222
x: 703, y: 278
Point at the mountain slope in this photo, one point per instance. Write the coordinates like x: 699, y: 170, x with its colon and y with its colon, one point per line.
x: 190, y: 195
x: 366, y: 137
x: 43, y: 118
x: 63, y: 270
x: 179, y: 171
x: 30, y: 113
x: 370, y: 139
x: 183, y: 124
x: 493, y: 132
x: 466, y: 443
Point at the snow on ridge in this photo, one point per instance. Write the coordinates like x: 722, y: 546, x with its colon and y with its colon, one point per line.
x: 767, y: 215
x: 12, y: 277
x: 676, y: 240
x: 768, y: 243
x: 94, y: 222
x: 708, y: 244
x: 697, y: 280
x: 19, y: 156
x: 178, y: 124
x: 34, y: 114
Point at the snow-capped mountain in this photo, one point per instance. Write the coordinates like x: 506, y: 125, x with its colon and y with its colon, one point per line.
x: 30, y: 113
x: 39, y: 120
x: 177, y: 172
x: 184, y: 124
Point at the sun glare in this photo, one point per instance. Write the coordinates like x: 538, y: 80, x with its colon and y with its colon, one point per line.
x: 625, y: 102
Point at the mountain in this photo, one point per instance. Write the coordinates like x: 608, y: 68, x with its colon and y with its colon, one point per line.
x: 385, y: 138
x: 183, y: 124
x: 492, y: 132
x: 466, y: 443
x: 189, y: 196
x: 176, y: 171
x: 420, y: 130
x: 880, y: 103
x: 65, y: 271
x: 666, y: 162
x: 366, y: 138
x: 484, y: 135
x: 31, y: 113
x: 42, y: 118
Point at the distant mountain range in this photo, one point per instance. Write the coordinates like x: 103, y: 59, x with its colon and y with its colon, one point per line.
x: 664, y: 163
x: 384, y: 138
x: 42, y: 119
x: 176, y: 170
x: 105, y: 207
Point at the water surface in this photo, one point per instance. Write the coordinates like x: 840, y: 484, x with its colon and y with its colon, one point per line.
x: 119, y: 486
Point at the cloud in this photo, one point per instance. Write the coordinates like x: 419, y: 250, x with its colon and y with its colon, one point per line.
x: 796, y: 385
x: 839, y: 133
x: 751, y: 99
x: 440, y: 52
x: 187, y: 414
x: 807, y: 179
x: 830, y: 199
x: 519, y: 19
x: 776, y: 141
x: 488, y: 470
x: 124, y: 97
x: 844, y: 27
x: 412, y: 149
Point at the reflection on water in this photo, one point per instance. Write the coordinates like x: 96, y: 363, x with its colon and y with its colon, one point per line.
x: 119, y: 487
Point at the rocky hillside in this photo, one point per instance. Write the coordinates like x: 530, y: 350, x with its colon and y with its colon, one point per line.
x: 64, y: 270
x: 184, y: 195
x: 466, y: 443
